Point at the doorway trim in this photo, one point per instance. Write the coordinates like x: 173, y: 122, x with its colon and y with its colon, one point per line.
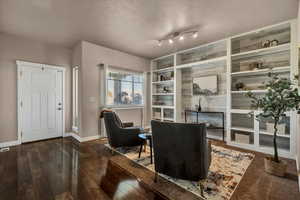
x: 21, y: 64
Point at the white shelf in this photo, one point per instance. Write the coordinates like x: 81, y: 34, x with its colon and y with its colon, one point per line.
x: 241, y: 111
x: 261, y: 71
x: 209, y: 62
x: 246, y: 91
x: 162, y: 94
x: 271, y: 134
x: 243, y: 129
x: 164, y: 69
x: 263, y: 51
x: 168, y: 119
x: 162, y: 82
x: 214, y: 137
x: 157, y: 106
x: 241, y: 145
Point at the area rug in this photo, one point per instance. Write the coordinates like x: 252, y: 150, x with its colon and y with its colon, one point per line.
x: 226, y: 171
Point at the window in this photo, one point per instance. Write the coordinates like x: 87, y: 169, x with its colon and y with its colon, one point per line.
x: 75, y: 99
x: 124, y: 88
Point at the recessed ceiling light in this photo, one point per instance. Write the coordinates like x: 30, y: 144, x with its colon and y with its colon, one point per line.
x: 181, y: 37
x: 171, y: 41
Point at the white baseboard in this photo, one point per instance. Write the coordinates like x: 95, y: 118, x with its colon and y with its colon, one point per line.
x: 82, y: 139
x: 74, y: 135
x: 89, y: 138
x: 298, y: 171
x: 9, y: 144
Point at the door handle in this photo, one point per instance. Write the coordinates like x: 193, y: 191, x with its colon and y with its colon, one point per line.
x: 59, y: 108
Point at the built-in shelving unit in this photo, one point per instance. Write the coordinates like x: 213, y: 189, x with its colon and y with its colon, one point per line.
x: 252, y: 58
x: 248, y: 58
x: 163, y: 88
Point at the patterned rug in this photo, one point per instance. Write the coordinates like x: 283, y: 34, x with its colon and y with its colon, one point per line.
x: 226, y: 171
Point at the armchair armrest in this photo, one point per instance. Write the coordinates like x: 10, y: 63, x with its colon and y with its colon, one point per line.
x: 130, y: 130
x: 130, y: 135
x: 127, y: 124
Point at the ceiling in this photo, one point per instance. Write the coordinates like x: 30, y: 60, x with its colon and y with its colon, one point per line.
x: 133, y: 25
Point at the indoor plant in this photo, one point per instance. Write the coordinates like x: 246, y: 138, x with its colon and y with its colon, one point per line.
x: 281, y: 96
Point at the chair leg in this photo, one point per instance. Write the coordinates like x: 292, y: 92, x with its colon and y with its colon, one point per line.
x: 112, y: 150
x: 201, y: 184
x: 155, y: 177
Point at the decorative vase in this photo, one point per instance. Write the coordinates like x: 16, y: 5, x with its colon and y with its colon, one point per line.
x: 199, y: 106
x: 275, y: 168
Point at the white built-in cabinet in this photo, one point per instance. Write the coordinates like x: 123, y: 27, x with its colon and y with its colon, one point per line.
x: 247, y: 58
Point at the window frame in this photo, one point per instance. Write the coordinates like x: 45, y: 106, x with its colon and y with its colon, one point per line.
x: 122, y: 71
x: 75, y: 99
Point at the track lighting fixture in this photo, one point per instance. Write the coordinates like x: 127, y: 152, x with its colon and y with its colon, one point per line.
x: 180, y: 36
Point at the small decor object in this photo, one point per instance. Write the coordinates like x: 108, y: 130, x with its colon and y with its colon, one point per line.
x: 245, y: 67
x: 256, y: 65
x: 166, y: 89
x: 239, y: 85
x: 242, y: 138
x: 266, y: 43
x: 280, y: 131
x: 275, y: 168
x: 205, y: 85
x: 156, y: 115
x: 274, y: 43
x: 281, y: 96
x: 199, y: 106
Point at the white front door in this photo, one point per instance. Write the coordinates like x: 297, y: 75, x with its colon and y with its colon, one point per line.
x: 41, y: 101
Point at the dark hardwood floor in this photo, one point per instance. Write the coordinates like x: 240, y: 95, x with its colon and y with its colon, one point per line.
x: 63, y: 169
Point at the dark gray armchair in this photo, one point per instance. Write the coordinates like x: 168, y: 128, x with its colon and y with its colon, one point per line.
x: 181, y: 150
x: 120, y: 134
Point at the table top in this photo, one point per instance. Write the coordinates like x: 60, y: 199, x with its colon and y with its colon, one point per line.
x: 145, y: 136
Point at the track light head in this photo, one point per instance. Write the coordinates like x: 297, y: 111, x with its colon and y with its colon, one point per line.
x: 195, y: 34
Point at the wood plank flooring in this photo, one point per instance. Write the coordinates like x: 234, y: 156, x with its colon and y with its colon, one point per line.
x: 62, y: 169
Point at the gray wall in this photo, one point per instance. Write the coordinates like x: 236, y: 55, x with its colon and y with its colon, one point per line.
x: 92, y: 56
x: 208, y: 103
x: 14, y: 48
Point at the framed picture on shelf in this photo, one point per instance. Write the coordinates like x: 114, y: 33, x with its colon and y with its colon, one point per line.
x: 206, y: 85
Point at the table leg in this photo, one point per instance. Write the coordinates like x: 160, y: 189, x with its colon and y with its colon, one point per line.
x: 150, y: 141
x: 141, y: 148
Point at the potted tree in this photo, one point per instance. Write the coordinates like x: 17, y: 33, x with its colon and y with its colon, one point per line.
x: 281, y: 96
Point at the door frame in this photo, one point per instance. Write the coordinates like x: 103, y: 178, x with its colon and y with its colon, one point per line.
x: 20, y: 65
